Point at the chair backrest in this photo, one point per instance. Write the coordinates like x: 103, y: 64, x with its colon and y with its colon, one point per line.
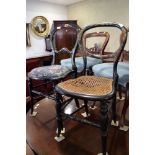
x: 66, y: 32
x: 116, y: 55
x: 96, y: 51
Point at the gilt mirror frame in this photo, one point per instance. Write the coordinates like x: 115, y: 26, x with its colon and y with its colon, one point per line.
x: 40, y: 26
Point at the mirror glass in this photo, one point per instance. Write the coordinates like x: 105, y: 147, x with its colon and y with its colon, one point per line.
x: 40, y: 25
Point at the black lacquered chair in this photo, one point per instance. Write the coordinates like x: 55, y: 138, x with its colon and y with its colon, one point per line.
x: 92, y: 88
x: 54, y: 73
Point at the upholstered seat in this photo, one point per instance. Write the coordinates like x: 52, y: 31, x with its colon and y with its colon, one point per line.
x: 49, y: 72
x: 106, y: 70
x: 54, y: 73
x: 80, y: 64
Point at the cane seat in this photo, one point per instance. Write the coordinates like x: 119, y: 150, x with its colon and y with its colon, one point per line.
x: 90, y: 85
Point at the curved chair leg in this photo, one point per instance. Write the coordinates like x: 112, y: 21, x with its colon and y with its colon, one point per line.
x: 31, y: 98
x: 104, y: 125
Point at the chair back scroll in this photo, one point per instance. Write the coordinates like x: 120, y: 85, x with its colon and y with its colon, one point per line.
x: 70, y: 32
x: 116, y: 55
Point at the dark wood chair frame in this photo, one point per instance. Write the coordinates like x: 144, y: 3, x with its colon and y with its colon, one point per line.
x: 104, y: 100
x: 96, y: 52
x: 93, y: 51
x: 124, y: 57
x: 51, y: 95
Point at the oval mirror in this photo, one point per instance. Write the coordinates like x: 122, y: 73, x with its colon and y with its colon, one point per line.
x: 40, y: 26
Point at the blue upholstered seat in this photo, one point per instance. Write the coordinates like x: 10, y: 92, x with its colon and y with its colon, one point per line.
x: 106, y: 70
x: 79, y: 62
x: 49, y: 72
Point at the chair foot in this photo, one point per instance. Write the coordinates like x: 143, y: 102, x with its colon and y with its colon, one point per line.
x: 102, y: 153
x: 37, y: 105
x: 121, y: 99
x: 33, y: 114
x: 62, y: 131
x: 60, y: 138
x: 124, y: 128
x: 114, y: 123
x: 85, y: 114
x: 93, y: 108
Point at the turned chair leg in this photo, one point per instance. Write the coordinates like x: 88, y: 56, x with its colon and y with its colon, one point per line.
x: 104, y: 126
x: 86, y: 107
x: 120, y: 92
x: 31, y: 95
x: 77, y: 103
x: 114, y: 108
x: 93, y: 105
x: 125, y: 107
x: 58, y: 114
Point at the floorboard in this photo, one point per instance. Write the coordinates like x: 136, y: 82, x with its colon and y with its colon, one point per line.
x: 80, y: 139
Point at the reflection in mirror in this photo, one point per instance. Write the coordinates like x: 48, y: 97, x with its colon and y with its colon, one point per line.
x: 40, y: 25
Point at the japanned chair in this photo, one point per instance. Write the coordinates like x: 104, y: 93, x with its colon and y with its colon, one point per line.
x: 55, y: 72
x: 106, y: 70
x: 91, y: 88
x: 93, y: 53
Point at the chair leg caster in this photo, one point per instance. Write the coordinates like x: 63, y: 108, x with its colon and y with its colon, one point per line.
x: 124, y: 128
x: 102, y: 153
x: 85, y: 114
x: 62, y: 131
x: 114, y: 123
x: 121, y: 99
x: 93, y: 108
x: 37, y: 105
x: 33, y: 114
x: 60, y: 138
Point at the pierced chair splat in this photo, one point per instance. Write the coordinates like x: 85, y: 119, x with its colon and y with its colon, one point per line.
x: 54, y: 73
x: 93, y: 53
x: 91, y: 88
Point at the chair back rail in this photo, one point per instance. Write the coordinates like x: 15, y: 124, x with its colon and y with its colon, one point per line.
x: 66, y: 28
x: 116, y: 55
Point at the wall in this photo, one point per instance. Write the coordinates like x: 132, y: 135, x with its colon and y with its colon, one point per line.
x: 48, y: 10
x: 97, y: 11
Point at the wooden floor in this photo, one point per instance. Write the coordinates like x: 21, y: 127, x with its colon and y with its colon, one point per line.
x: 80, y: 139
